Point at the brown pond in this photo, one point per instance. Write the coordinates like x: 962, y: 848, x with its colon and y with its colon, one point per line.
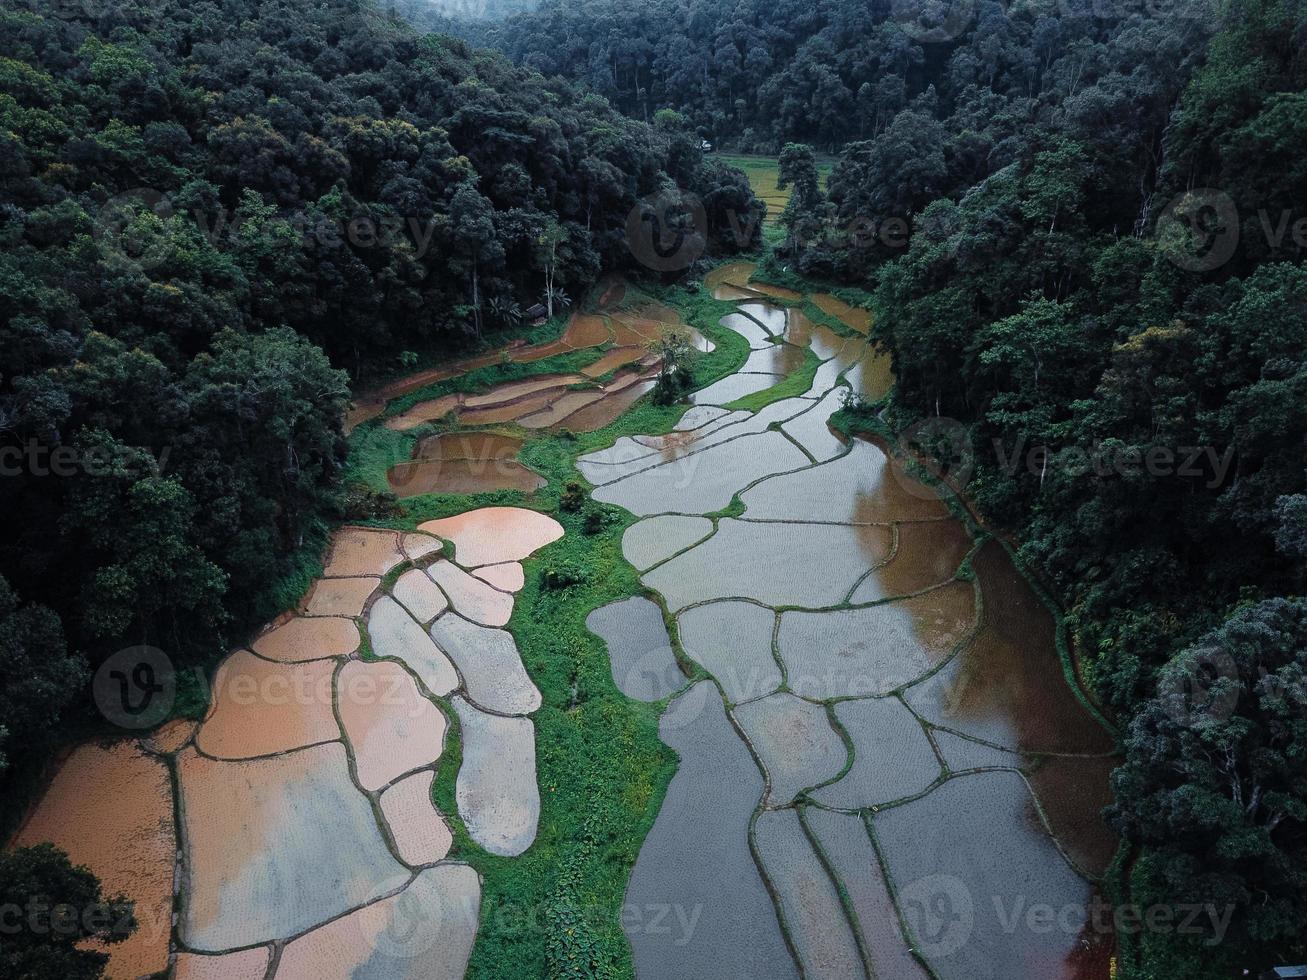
x: 463, y: 462
x: 1008, y: 686
x: 110, y: 807
x: 605, y: 411
x: 614, y: 359
x: 851, y: 316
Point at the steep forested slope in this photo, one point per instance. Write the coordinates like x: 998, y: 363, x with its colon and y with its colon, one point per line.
x: 753, y: 74
x: 207, y: 208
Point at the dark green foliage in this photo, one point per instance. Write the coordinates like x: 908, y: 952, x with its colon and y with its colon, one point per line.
x: 573, y: 498
x: 1215, y: 780
x: 757, y: 74
x: 594, y: 522
x: 41, y: 677
x: 51, y: 908
x: 562, y: 576
x: 803, y: 217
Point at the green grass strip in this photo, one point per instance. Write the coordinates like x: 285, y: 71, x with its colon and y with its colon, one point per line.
x: 796, y: 383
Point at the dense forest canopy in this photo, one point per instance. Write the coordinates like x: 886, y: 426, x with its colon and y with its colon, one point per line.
x: 755, y: 74
x: 208, y: 211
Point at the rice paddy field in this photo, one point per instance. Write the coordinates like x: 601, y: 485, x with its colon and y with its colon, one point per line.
x: 609, y: 658
x: 763, y: 177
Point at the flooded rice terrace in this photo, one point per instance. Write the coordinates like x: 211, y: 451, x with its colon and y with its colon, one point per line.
x: 886, y: 769
x: 883, y: 771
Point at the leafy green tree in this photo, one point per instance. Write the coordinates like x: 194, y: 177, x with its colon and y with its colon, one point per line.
x: 472, y: 227
x: 53, y: 910
x: 42, y: 677
x: 1215, y: 778
x: 672, y: 350
x: 797, y: 171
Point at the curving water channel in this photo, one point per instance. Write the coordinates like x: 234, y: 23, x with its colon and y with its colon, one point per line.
x: 883, y: 770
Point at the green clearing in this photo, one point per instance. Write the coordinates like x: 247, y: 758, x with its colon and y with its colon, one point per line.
x: 763, y: 177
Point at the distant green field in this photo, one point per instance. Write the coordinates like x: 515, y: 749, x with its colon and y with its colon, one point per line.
x: 762, y: 175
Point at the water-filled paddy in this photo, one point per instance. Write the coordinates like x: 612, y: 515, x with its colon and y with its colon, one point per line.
x: 497, y: 794
x: 494, y: 535
x: 777, y: 564
x: 809, y: 903
x: 420, y: 833
x: 395, y: 634
x: 643, y: 664
x: 239, y: 724
x: 835, y: 617
x: 390, y: 726
x: 696, y: 860
x: 658, y: 538
x: 732, y: 641
x: 489, y: 663
x: 795, y: 742
x: 275, y: 846
x: 844, y: 841
x: 937, y: 853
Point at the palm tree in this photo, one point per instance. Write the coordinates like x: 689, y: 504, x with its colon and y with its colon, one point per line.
x: 557, y: 297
